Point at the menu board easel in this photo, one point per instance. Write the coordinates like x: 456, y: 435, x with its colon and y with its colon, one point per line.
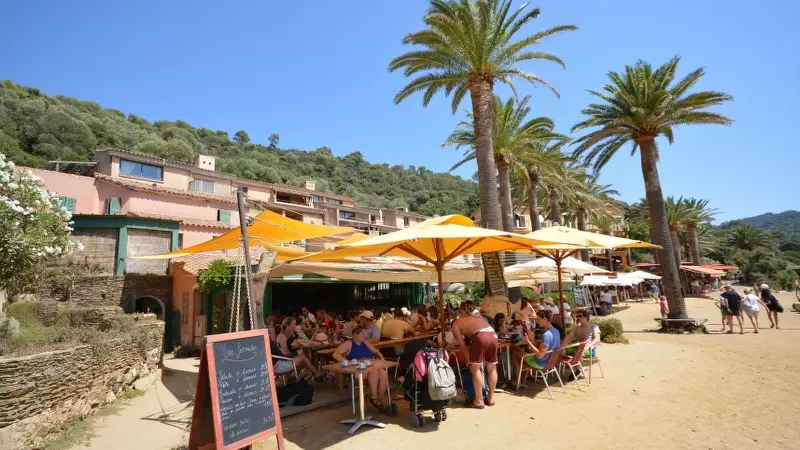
x: 235, y: 401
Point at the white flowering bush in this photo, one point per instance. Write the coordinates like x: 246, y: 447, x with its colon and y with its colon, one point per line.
x: 33, y: 226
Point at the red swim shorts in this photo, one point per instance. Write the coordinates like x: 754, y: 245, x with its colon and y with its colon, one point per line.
x: 483, y: 348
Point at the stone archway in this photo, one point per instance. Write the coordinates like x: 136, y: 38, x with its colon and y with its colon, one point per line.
x: 150, y: 305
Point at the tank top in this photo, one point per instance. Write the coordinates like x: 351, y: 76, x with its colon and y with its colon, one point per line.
x: 359, y: 351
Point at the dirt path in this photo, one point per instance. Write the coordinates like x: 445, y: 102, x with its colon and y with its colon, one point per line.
x: 660, y: 391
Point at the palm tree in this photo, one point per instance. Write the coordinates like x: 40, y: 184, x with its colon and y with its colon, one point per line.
x: 638, y: 106
x: 677, y: 213
x: 747, y: 237
x: 534, y: 166
x: 592, y: 200
x: 512, y: 135
x: 698, y: 212
x: 606, y: 226
x: 467, y: 46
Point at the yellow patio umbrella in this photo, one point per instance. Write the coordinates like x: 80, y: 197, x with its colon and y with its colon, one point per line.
x: 436, y: 241
x: 571, y: 241
x: 268, y: 229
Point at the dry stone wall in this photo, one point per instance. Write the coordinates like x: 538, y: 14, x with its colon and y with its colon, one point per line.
x: 42, y: 393
x: 116, y: 291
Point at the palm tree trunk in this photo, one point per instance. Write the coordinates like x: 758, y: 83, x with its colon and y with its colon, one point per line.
x: 676, y: 246
x: 480, y: 89
x: 655, y: 252
x: 533, y: 199
x: 555, y: 208
x: 581, y: 213
x: 694, y: 244
x: 661, y: 236
x: 506, y: 208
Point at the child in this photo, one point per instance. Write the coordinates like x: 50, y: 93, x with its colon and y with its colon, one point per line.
x: 662, y: 303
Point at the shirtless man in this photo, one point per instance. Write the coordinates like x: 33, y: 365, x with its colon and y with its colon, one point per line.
x: 483, y: 351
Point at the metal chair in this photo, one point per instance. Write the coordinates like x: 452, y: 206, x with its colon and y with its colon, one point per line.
x: 549, y: 368
x: 575, y: 363
x: 592, y: 358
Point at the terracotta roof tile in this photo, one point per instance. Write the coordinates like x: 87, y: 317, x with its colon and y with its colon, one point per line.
x: 157, y: 188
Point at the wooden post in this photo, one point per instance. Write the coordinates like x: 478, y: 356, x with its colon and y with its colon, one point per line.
x: 248, y: 270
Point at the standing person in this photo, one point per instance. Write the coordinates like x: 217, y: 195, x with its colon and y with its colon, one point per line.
x: 733, y: 303
x: 662, y: 304
x: 773, y: 307
x: 750, y: 303
x: 481, y: 352
x: 654, y: 290
x: 607, y: 300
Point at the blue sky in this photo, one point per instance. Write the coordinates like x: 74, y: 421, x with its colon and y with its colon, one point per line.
x: 315, y: 72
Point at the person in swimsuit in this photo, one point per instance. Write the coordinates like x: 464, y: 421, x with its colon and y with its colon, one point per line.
x: 359, y: 348
x: 481, y: 352
x: 773, y: 306
x: 288, y: 327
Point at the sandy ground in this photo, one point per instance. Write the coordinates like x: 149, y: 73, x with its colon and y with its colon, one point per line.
x: 660, y: 391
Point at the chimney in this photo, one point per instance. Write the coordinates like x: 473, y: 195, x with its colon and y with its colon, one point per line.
x: 206, y: 162
x: 310, y: 185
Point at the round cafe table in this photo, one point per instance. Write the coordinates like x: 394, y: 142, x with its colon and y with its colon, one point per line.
x: 355, y: 372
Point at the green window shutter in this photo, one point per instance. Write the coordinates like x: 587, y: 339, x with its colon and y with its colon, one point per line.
x: 224, y: 216
x: 113, y: 206
x: 68, y: 203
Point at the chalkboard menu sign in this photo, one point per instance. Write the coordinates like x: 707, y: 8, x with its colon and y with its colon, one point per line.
x: 580, y: 295
x: 235, y: 401
x: 495, y: 284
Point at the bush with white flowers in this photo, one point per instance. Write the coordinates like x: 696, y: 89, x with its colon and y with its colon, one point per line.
x: 33, y: 226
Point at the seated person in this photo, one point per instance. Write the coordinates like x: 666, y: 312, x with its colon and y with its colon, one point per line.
x: 309, y: 324
x: 583, y: 331
x: 359, y: 348
x: 283, y: 340
x: 551, y: 340
x: 331, y: 323
x: 525, y: 312
x: 373, y: 332
x: 352, y: 322
x: 499, y: 324
x: 396, y: 327
x: 423, y: 324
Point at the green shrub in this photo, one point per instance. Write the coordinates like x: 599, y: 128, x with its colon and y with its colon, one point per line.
x: 216, y: 277
x: 611, y: 330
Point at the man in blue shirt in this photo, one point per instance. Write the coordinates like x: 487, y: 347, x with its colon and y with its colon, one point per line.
x: 551, y: 339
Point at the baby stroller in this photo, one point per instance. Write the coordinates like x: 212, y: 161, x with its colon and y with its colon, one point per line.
x: 415, y: 360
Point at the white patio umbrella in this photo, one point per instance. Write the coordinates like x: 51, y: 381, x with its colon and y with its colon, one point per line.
x: 570, y: 265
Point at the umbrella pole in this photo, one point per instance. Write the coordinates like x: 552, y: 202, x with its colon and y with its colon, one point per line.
x: 442, y: 318
x: 560, y: 291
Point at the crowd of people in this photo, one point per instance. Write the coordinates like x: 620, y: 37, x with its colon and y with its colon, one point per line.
x: 472, y: 332
x: 734, y: 307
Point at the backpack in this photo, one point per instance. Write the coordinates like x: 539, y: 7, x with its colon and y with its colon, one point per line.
x: 299, y: 393
x: 441, y: 378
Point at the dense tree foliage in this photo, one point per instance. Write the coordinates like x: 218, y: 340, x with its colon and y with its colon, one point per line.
x: 35, y: 128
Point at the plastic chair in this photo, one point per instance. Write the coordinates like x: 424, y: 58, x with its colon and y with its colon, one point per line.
x: 593, y: 359
x: 288, y: 372
x: 549, y: 368
x: 575, y: 363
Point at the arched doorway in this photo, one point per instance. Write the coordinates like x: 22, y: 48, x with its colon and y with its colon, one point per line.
x: 150, y: 305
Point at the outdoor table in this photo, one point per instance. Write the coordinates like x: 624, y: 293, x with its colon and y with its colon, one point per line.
x: 377, y: 364
x: 328, y: 353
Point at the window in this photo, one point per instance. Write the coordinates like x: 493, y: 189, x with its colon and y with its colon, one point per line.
x: 206, y: 186
x: 350, y: 215
x: 113, y: 206
x: 180, y: 241
x: 283, y: 198
x: 333, y: 201
x: 224, y: 216
x: 317, y: 199
x: 67, y: 203
x: 406, y: 222
x: 140, y: 170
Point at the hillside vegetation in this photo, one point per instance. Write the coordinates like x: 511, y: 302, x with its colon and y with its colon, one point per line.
x: 36, y: 128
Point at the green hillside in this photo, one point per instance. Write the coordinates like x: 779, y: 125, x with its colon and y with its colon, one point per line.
x: 786, y: 222
x: 35, y: 128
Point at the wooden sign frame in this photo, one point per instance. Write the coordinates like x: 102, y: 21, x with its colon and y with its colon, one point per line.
x: 199, y: 438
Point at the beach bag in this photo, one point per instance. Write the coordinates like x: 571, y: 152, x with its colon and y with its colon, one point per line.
x: 441, y: 378
x: 469, y: 389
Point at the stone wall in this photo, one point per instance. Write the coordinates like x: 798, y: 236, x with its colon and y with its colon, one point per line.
x: 99, y: 248
x: 121, y: 291
x: 40, y: 394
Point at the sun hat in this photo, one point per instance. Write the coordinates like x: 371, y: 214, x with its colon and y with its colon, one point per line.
x: 405, y: 310
x: 764, y: 286
x: 367, y: 314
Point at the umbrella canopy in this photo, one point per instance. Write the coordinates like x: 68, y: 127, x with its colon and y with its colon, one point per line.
x: 570, y: 265
x: 573, y: 240
x: 643, y: 275
x: 436, y: 241
x: 268, y: 229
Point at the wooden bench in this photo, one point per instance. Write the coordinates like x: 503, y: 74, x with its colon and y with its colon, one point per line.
x: 690, y: 324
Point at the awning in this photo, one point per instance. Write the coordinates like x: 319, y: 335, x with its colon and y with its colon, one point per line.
x: 704, y: 270
x: 720, y: 267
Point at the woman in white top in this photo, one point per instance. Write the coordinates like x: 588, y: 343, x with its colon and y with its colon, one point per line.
x: 750, y: 303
